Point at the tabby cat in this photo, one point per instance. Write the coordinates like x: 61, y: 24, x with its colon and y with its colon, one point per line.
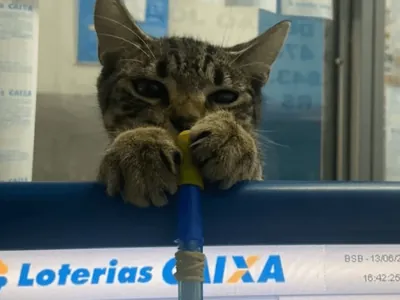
x: 150, y: 89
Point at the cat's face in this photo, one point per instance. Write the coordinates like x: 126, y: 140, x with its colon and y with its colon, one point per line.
x: 173, y: 82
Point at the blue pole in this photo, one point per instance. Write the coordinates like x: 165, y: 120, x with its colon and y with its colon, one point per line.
x: 190, y: 236
x: 190, y: 224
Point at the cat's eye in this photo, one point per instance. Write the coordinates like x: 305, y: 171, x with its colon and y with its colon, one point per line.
x: 223, y: 97
x: 149, y: 88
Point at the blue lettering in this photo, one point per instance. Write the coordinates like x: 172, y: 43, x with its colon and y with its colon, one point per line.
x: 299, y: 78
x: 80, y: 276
x: 206, y: 275
x: 145, y: 275
x: 97, y: 273
x: 169, y: 278
x: 287, y: 77
x: 288, y: 101
x: 220, y: 267
x: 111, y: 271
x: 240, y: 263
x: 24, y: 279
x: 284, y: 77
x: 45, y: 277
x: 297, y: 102
x: 296, y: 51
x: 291, y: 49
x: 272, y: 270
x: 20, y: 93
x: 300, y: 28
x: 19, y: 179
x: 127, y: 275
x: 3, y: 280
x: 63, y: 274
x: 306, y: 53
x: 167, y: 272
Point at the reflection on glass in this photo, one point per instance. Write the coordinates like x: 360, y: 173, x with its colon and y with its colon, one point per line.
x: 294, y: 99
x: 69, y: 138
x: 392, y: 89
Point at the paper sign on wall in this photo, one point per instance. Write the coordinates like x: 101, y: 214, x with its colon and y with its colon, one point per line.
x: 269, y: 5
x: 296, y: 81
x: 217, y: 24
x: 150, y: 15
x: 19, y: 32
x: 307, y: 8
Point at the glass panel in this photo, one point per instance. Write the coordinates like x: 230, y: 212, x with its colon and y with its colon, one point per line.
x: 392, y: 90
x: 294, y: 99
x: 69, y: 135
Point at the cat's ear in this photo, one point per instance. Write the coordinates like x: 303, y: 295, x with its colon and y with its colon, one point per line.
x: 116, y: 28
x: 260, y: 53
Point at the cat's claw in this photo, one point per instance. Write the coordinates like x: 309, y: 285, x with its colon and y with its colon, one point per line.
x: 142, y: 165
x: 224, y: 151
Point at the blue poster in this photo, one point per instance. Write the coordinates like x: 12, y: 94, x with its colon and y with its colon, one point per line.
x: 293, y: 100
x: 295, y: 86
x: 155, y: 24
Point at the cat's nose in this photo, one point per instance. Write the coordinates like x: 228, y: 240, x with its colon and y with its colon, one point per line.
x: 182, y: 123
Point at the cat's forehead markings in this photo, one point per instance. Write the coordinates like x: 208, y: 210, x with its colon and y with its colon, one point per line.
x: 190, y: 62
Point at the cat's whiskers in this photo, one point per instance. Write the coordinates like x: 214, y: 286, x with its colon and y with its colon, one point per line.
x: 267, y: 142
x: 132, y: 59
x: 251, y: 64
x: 124, y: 40
x: 254, y: 78
x: 265, y: 148
x: 130, y: 30
x: 226, y: 30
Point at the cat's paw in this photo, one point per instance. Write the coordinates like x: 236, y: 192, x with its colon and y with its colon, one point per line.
x: 143, y: 164
x: 224, y: 151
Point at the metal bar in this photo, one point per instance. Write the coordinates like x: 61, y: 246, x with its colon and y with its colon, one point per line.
x: 329, y: 107
x: 344, y: 85
x: 80, y: 215
x: 378, y: 101
x: 362, y: 91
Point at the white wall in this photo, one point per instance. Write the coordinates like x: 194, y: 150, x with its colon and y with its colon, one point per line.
x: 58, y: 71
x: 60, y: 74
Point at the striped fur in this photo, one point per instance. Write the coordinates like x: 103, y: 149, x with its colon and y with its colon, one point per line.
x: 142, y: 155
